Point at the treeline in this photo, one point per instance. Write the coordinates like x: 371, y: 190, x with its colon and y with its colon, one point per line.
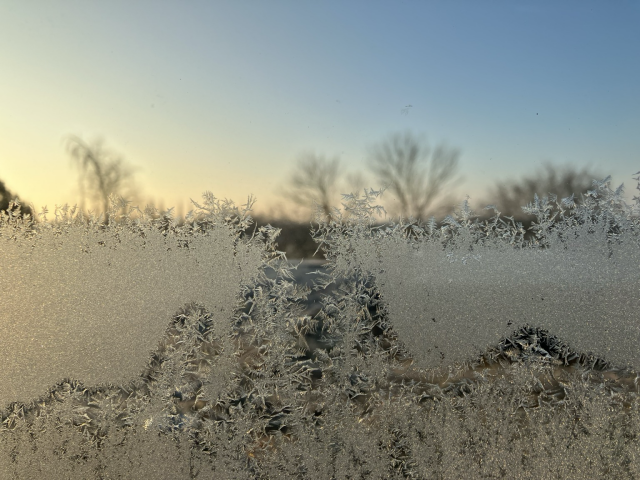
x: 418, y: 180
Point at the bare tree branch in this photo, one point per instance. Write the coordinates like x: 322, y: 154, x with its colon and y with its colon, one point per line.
x: 416, y: 175
x: 102, y: 173
x: 314, y: 182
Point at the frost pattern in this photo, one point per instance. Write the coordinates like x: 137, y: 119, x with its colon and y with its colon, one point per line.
x: 433, y: 354
x: 455, y: 291
x: 91, y: 301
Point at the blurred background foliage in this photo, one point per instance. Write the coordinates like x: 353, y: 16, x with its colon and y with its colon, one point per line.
x: 419, y: 182
x: 102, y: 173
x: 6, y: 196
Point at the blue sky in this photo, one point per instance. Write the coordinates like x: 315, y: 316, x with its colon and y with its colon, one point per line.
x: 224, y: 96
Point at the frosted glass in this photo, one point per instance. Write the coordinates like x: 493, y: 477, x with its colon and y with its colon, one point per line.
x: 144, y: 349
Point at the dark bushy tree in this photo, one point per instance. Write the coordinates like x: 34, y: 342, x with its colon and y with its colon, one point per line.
x: 6, y: 197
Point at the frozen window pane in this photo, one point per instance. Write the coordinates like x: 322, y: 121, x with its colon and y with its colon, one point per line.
x: 145, y: 349
x: 93, y: 305
x: 453, y: 294
x: 451, y: 305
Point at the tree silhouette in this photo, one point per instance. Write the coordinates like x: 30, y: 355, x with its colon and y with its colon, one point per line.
x: 415, y: 174
x: 510, y: 197
x: 6, y: 197
x: 314, y: 182
x: 101, y: 172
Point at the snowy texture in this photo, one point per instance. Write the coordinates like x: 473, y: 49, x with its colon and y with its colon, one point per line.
x: 91, y: 301
x: 454, y: 291
x: 439, y: 351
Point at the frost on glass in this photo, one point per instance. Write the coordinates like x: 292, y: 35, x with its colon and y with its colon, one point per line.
x: 452, y: 350
x: 454, y: 291
x: 113, y: 332
x: 475, y: 353
x: 91, y: 301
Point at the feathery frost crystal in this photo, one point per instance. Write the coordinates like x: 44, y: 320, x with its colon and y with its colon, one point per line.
x: 140, y: 348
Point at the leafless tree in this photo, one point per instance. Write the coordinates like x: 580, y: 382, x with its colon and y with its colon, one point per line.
x: 413, y: 172
x: 315, y: 182
x: 510, y: 197
x: 102, y: 173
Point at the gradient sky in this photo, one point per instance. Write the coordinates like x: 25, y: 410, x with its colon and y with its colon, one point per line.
x: 224, y: 96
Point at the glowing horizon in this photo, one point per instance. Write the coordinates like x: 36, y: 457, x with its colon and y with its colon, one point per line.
x: 225, y: 97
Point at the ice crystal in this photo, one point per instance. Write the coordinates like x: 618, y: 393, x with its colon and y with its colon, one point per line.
x: 140, y: 348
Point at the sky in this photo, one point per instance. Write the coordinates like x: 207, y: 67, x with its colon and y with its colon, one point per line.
x: 224, y: 96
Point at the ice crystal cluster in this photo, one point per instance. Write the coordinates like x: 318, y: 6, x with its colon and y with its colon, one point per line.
x: 134, y: 347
